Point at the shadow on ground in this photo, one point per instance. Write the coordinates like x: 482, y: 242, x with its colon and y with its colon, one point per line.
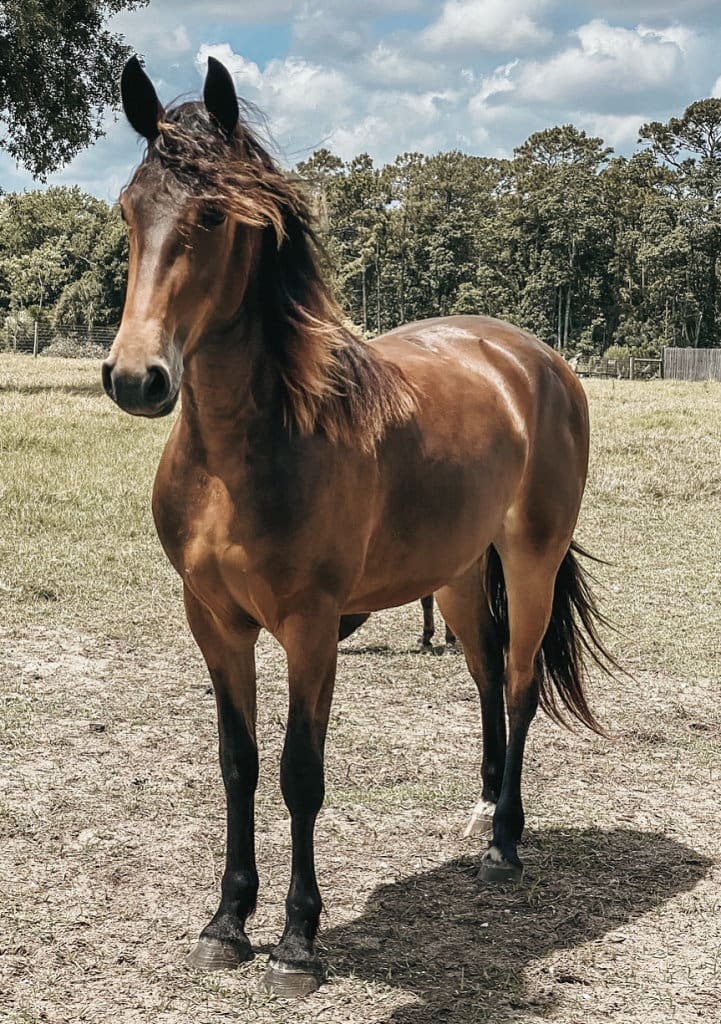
x: 437, y: 649
x: 464, y: 949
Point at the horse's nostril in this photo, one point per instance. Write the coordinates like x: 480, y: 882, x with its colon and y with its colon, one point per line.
x: 107, y: 378
x: 157, y: 385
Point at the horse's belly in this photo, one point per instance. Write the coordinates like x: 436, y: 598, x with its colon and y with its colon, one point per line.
x: 431, y: 532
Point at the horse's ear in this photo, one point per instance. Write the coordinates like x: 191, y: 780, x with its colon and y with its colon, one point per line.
x: 140, y: 101
x: 219, y: 96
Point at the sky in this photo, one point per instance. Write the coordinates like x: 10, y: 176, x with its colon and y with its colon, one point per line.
x: 392, y: 76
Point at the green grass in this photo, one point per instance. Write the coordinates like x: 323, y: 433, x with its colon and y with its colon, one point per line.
x: 77, y: 541
x: 653, y: 509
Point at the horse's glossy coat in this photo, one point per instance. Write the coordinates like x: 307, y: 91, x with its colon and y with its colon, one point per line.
x: 309, y: 475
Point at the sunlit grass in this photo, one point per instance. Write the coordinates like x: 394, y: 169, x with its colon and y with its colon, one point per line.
x: 77, y: 541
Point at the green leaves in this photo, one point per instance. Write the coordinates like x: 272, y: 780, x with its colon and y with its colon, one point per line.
x: 59, y: 68
x: 63, y: 258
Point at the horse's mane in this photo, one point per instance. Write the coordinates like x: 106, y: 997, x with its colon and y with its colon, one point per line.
x: 332, y: 381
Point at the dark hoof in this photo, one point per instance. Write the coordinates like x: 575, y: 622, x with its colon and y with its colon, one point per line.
x: 493, y: 870
x: 212, y: 955
x: 290, y: 982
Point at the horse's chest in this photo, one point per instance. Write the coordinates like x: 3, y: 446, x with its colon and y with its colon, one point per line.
x: 202, y: 537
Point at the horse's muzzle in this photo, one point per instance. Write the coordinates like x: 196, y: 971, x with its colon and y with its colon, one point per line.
x: 151, y: 393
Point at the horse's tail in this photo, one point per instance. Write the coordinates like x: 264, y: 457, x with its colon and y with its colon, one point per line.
x: 572, y: 635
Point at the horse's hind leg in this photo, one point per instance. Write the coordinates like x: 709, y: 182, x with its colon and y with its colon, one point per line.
x: 429, y: 625
x: 529, y: 584
x: 465, y: 608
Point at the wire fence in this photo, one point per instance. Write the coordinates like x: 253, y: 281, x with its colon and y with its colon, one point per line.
x: 620, y: 368
x: 41, y: 339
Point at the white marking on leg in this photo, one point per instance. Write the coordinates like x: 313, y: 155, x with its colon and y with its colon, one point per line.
x: 481, y: 819
x: 495, y: 855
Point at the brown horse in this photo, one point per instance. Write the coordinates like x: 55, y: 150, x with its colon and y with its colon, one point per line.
x: 310, y: 474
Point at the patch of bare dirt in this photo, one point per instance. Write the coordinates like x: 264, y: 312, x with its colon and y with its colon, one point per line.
x: 112, y: 830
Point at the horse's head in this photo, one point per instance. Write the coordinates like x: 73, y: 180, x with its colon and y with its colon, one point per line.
x: 195, y: 209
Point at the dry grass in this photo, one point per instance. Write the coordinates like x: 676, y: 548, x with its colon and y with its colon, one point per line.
x: 111, y: 816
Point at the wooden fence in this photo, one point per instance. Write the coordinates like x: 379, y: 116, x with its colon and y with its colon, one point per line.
x: 692, y: 363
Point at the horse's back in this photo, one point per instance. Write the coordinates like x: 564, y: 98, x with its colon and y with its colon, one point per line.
x: 474, y: 344
x: 491, y: 371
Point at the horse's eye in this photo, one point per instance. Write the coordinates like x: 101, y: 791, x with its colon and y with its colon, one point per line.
x: 211, y: 217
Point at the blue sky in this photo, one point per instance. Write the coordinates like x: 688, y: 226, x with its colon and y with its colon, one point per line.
x: 389, y: 77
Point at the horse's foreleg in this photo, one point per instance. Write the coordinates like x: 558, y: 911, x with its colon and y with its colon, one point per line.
x: 230, y: 658
x: 311, y: 648
x: 529, y: 588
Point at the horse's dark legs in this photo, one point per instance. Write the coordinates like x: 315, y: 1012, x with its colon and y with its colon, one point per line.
x: 429, y: 626
x: 230, y: 658
x: 488, y: 675
x: 529, y: 588
x: 464, y: 606
x: 350, y: 623
x: 311, y: 647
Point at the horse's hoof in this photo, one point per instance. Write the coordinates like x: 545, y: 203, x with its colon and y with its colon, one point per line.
x: 289, y: 982
x: 213, y: 955
x: 495, y: 868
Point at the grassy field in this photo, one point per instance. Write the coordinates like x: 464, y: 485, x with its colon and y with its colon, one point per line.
x: 111, y: 813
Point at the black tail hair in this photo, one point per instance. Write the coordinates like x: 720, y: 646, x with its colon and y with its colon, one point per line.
x: 571, y: 635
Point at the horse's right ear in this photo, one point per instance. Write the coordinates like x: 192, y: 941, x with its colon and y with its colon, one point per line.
x: 140, y: 101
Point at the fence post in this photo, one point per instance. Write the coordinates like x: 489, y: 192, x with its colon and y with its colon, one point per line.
x: 35, y: 340
x: 630, y: 367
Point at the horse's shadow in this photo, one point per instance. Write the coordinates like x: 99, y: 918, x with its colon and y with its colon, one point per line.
x: 464, y: 949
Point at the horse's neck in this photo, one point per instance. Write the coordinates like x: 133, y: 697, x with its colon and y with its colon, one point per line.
x: 228, y: 389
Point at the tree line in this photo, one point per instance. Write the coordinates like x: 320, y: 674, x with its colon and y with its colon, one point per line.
x: 586, y: 249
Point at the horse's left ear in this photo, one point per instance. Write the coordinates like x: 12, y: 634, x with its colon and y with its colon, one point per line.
x: 140, y: 100
x: 219, y: 96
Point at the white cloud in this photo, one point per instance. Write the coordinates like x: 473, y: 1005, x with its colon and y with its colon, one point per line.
x: 177, y: 41
x: 301, y: 99
x: 309, y: 105
x: 388, y: 65
x: 692, y: 10
x: 617, y: 130
x: 230, y: 10
x: 716, y: 88
x: 609, y: 59
x: 499, y: 81
x: 246, y: 73
x: 487, y: 25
